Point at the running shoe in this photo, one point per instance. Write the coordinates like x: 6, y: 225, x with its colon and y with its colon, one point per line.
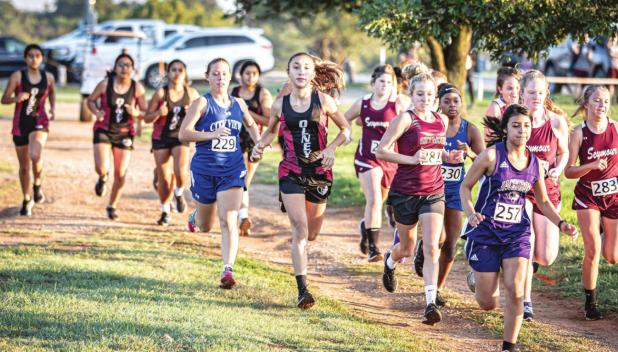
x: 593, y: 313
x: 165, y: 219
x: 101, y: 187
x: 181, y: 203
x: 227, y: 279
x: 26, y: 207
x: 389, y: 280
x: 245, y: 227
x: 419, y: 259
x: 535, y: 267
x: 305, y: 300
x: 440, y: 301
x: 471, y: 282
x: 111, y: 213
x: 390, y: 216
x: 528, y: 312
x: 374, y: 254
x: 38, y: 196
x: 432, y: 314
x: 363, y: 236
x: 191, y: 226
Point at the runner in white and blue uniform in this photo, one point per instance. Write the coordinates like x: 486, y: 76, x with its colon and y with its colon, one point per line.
x: 214, y: 122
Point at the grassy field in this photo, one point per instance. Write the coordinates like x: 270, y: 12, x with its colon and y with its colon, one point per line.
x: 157, y: 291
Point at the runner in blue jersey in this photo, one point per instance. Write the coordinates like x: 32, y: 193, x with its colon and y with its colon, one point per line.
x: 463, y: 140
x: 498, y: 230
x: 214, y: 122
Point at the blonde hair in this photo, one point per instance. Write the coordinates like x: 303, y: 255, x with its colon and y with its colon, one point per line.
x: 583, y: 99
x: 548, y: 103
x: 422, y: 77
x: 414, y: 69
x: 328, y: 75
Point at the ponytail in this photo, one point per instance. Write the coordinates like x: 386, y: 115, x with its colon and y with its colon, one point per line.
x: 498, y: 127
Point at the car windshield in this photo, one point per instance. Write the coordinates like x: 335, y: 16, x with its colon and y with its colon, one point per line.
x: 168, y: 42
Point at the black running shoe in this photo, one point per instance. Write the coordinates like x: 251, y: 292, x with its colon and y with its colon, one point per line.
x: 389, y: 280
x: 111, y: 213
x: 363, y: 236
x: 419, y: 259
x: 535, y: 267
x: 432, y: 314
x: 305, y: 300
x: 26, y: 207
x: 165, y: 219
x: 440, y: 301
x: 181, y: 203
x: 374, y: 254
x: 593, y: 313
x: 528, y: 312
x: 390, y: 216
x: 38, y: 196
x: 101, y: 187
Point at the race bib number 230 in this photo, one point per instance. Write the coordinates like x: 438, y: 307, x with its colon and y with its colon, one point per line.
x: 226, y: 144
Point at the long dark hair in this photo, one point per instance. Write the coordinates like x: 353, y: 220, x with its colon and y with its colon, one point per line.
x: 328, y: 75
x: 112, y: 72
x: 497, y: 127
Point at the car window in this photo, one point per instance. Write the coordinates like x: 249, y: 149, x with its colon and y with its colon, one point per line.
x: 196, y: 43
x: 110, y: 39
x: 150, y: 33
x: 169, y: 32
x: 14, y: 47
x: 230, y: 39
x: 169, y: 42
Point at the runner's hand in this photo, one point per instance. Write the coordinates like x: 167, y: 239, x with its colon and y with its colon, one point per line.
x: 475, y: 219
x: 464, y: 147
x: 257, y: 152
x: 131, y: 109
x: 52, y: 114
x: 418, y: 157
x: 23, y: 96
x: 328, y: 157
x: 569, y: 229
x: 100, y: 115
x: 220, y: 132
x: 599, y: 164
x: 455, y: 157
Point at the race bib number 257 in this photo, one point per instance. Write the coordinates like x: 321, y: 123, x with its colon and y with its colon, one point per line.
x: 509, y: 213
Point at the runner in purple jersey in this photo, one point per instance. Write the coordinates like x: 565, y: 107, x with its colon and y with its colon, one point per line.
x: 305, y: 173
x: 28, y: 89
x: 595, y: 144
x: 376, y: 111
x: 498, y: 230
x: 166, y: 110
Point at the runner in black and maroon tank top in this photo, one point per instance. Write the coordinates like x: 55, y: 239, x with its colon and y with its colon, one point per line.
x: 595, y: 143
x: 376, y: 111
x: 167, y: 110
x: 117, y: 102
x: 417, y: 191
x: 28, y: 89
x: 258, y: 100
x: 549, y: 142
x: 305, y: 173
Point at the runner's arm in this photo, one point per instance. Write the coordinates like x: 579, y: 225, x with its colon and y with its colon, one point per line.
x: 395, y: 129
x: 248, y: 121
x: 482, y: 165
x: 52, y: 95
x: 477, y: 143
x: 11, y: 86
x: 332, y: 110
x: 187, y: 131
x: 266, y: 101
x: 547, y: 208
x: 354, y: 111
x: 154, y: 107
x: 94, y: 96
x: 572, y: 170
x: 562, y: 157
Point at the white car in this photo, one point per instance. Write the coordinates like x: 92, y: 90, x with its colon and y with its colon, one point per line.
x: 198, y: 48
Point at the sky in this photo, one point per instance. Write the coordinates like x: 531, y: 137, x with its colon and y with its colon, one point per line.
x: 34, y: 5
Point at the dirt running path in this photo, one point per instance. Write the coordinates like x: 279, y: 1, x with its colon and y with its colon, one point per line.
x: 337, y: 269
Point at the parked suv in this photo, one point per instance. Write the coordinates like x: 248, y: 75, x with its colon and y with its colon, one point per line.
x: 197, y: 49
x: 11, y: 55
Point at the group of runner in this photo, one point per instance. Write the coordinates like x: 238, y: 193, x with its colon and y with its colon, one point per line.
x: 411, y: 155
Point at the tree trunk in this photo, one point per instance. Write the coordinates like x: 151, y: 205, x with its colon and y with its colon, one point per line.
x: 455, y: 60
x: 437, y: 55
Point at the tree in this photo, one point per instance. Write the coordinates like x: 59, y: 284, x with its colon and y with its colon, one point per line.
x: 448, y: 27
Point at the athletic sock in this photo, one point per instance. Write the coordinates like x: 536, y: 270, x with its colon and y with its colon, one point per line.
x: 228, y: 267
x: 508, y: 346
x: 301, y: 282
x: 165, y: 208
x: 527, y: 303
x: 178, y: 191
x: 430, y: 293
x: 390, y: 262
x: 372, y: 235
x: 243, y: 213
x: 591, y: 297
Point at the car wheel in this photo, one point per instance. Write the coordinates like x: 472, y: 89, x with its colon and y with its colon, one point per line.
x: 85, y: 115
x: 550, y: 71
x: 154, y: 78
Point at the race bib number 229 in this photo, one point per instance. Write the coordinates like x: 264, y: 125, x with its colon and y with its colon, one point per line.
x: 226, y: 144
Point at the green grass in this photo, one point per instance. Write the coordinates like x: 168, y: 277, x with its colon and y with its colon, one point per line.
x: 153, y: 291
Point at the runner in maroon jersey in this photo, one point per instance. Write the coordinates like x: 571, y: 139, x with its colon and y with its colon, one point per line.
x: 549, y: 142
x: 417, y: 191
x: 167, y: 109
x: 28, y: 89
x: 376, y: 111
x: 305, y: 173
x: 507, y: 93
x: 114, y: 101
x: 258, y: 101
x: 595, y: 143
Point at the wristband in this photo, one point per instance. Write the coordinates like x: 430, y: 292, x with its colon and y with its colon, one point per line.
x: 560, y: 224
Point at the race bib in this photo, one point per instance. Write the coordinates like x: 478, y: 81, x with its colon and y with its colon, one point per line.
x: 431, y: 157
x: 452, y: 173
x: 374, y: 146
x: 509, y: 213
x: 544, y: 165
x: 604, y: 187
x: 226, y: 144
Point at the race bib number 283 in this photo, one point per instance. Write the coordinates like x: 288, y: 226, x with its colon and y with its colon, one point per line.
x: 604, y: 187
x: 226, y: 144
